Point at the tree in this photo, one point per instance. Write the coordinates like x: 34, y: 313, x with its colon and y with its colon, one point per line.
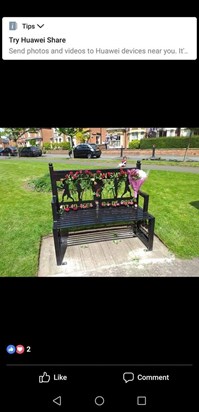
x: 15, y: 133
x: 81, y: 134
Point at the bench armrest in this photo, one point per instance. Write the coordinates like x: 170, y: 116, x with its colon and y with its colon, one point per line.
x: 146, y: 200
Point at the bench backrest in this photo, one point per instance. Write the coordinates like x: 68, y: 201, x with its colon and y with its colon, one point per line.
x: 86, y: 188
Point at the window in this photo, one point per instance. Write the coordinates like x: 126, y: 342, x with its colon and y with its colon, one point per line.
x: 98, y: 138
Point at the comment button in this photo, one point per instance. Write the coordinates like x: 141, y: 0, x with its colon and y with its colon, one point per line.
x: 128, y: 377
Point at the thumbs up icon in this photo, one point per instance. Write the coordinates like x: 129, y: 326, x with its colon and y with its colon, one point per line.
x: 45, y: 378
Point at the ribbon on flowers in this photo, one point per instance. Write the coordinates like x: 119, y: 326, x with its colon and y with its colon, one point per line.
x: 136, y: 178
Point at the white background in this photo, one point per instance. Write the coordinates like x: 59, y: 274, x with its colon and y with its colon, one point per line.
x: 159, y: 34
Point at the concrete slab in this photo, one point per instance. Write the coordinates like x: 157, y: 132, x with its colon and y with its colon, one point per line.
x: 112, y: 258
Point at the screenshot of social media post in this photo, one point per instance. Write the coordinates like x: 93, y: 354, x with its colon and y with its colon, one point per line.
x: 99, y: 202
x: 99, y: 38
x: 35, y: 379
x: 99, y: 223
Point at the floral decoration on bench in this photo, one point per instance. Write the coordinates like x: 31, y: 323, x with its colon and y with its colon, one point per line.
x: 85, y: 189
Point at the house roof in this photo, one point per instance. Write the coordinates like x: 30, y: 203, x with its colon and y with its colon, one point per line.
x: 4, y: 139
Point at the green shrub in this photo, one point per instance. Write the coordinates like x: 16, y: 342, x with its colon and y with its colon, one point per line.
x: 170, y: 142
x: 65, y: 146
x: 57, y: 146
x: 134, y: 144
x: 47, y: 146
x: 41, y: 184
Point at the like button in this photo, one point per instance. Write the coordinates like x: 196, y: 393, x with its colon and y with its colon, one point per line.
x: 45, y: 378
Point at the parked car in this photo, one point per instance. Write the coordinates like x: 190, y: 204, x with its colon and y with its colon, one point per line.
x: 30, y: 151
x: 9, y: 151
x: 87, y: 150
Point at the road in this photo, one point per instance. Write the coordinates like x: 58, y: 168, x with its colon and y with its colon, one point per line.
x: 106, y: 155
x: 97, y: 163
x: 101, y: 162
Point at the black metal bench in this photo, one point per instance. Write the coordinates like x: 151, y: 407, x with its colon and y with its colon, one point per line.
x: 86, y: 204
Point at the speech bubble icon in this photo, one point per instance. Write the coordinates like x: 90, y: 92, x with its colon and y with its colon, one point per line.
x: 128, y: 377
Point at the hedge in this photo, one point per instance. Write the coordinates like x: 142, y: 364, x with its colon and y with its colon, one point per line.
x: 57, y: 146
x: 134, y: 144
x: 65, y: 146
x: 47, y: 146
x: 170, y: 142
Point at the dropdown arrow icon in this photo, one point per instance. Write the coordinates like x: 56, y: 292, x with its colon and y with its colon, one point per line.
x: 40, y: 26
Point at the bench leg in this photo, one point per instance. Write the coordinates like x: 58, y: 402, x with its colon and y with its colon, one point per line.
x: 57, y: 243
x: 151, y: 233
x: 146, y: 236
x: 134, y: 228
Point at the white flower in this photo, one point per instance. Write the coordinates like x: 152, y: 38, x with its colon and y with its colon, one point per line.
x: 142, y: 174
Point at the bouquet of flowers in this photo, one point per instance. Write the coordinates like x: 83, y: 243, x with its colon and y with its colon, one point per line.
x: 136, y: 179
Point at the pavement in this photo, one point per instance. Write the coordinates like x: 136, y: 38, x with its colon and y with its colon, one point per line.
x: 135, y: 157
x: 126, y: 257
x: 109, y: 155
x: 96, y: 163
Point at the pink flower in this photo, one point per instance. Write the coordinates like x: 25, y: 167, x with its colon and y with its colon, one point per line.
x: 122, y: 172
x: 136, y: 179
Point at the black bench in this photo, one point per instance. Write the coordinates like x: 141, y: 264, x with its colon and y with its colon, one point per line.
x: 88, y: 203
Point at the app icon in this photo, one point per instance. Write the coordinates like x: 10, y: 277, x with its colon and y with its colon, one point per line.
x: 20, y: 349
x: 10, y: 349
x: 12, y: 25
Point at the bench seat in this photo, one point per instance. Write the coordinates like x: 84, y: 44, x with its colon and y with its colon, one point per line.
x: 103, y: 216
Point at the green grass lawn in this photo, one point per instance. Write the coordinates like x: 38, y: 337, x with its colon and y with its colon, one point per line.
x: 174, y: 201
x: 170, y: 163
x: 26, y: 215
